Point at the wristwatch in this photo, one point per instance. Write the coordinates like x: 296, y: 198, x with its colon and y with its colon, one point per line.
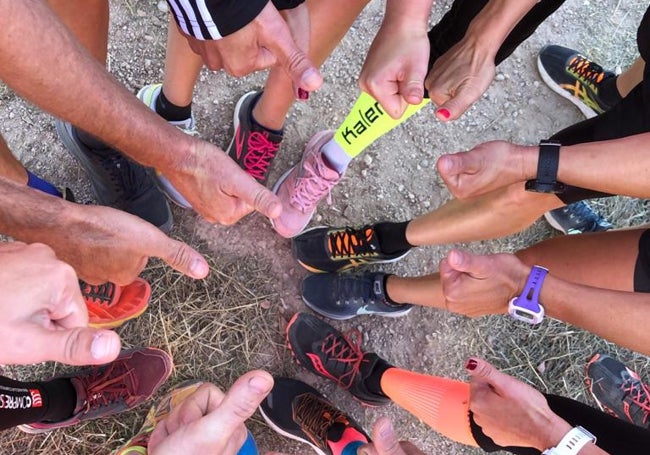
x: 526, y: 306
x: 547, y: 164
x: 572, y: 442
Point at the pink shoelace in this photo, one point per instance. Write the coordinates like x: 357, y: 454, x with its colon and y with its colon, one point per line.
x: 261, y: 152
x: 312, y: 186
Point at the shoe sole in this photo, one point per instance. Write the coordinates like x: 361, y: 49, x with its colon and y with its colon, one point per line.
x: 586, y: 111
x: 280, y: 431
x: 338, y: 317
x: 116, y: 323
x: 275, y: 190
x: 64, y: 131
x: 361, y: 262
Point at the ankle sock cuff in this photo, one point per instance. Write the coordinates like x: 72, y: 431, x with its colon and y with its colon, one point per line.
x: 373, y: 381
x: 392, y: 236
x: 170, y: 111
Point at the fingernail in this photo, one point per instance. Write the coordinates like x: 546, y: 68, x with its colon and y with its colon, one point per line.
x: 101, y: 346
x: 444, y: 113
x: 260, y: 384
x: 310, y: 79
x: 386, y: 430
x: 471, y: 364
x: 199, y: 268
x: 362, y: 452
x: 303, y: 95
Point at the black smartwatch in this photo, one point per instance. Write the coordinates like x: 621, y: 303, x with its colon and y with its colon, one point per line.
x: 549, y: 159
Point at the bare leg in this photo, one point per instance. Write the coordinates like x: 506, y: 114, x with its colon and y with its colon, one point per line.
x: 182, y: 67
x: 493, y: 215
x: 631, y: 77
x: 10, y: 167
x: 88, y: 20
x: 330, y: 21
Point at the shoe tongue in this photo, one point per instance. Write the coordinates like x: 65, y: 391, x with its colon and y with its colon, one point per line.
x: 324, y: 169
x: 82, y: 398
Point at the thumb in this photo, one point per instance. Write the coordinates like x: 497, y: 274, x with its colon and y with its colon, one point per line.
x: 79, y: 346
x: 411, y: 87
x: 454, y: 164
x: 384, y: 439
x: 182, y: 257
x: 475, y: 265
x: 260, y: 198
x: 454, y: 107
x: 483, y: 371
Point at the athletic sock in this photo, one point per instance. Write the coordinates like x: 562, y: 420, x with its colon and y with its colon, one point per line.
x: 336, y: 156
x: 33, y: 181
x: 392, y: 236
x: 373, y: 380
x: 609, y: 91
x: 389, y: 301
x: 441, y: 403
x: 62, y: 400
x: 169, y: 111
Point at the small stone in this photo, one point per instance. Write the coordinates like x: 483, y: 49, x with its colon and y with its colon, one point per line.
x: 367, y: 159
x: 400, y: 188
x: 265, y: 304
x: 500, y: 77
x: 163, y: 6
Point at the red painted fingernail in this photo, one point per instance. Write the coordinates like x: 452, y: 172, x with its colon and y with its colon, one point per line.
x: 303, y: 95
x: 444, y: 112
x: 471, y: 364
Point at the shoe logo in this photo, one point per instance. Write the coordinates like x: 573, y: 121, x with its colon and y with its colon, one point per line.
x: 239, y: 142
x: 319, y: 367
x: 37, y: 401
x: 579, y: 91
x: 376, y: 286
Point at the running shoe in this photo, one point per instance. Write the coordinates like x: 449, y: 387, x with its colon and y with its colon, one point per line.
x: 302, y: 187
x: 324, y: 249
x: 577, y: 218
x: 110, y: 305
x: 326, y: 352
x: 117, y: 181
x: 575, y: 77
x: 343, y: 296
x: 253, y: 147
x: 123, y: 384
x: 148, y: 95
x: 298, y: 411
x: 619, y: 390
x: 139, y: 443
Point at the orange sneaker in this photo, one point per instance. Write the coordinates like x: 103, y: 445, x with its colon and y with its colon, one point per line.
x: 110, y: 305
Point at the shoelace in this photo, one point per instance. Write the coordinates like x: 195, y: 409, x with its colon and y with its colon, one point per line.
x: 130, y: 179
x: 356, y: 289
x: 344, y: 351
x: 588, y: 70
x: 102, y: 293
x: 261, y: 152
x: 311, y: 187
x: 103, y: 388
x: 583, y: 217
x: 351, y: 242
x: 639, y: 394
x: 317, y: 416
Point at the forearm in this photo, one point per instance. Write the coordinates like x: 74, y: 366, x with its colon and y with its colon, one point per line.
x: 619, y: 166
x: 618, y: 316
x: 495, y: 21
x: 407, y: 13
x: 41, y: 60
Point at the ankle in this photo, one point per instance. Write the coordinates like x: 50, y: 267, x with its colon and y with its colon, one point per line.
x: 170, y: 111
x: 259, y: 115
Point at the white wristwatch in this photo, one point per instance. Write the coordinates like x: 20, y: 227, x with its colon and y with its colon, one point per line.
x: 572, y: 442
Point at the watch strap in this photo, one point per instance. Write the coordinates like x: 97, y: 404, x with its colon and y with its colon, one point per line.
x: 526, y: 307
x: 547, y: 166
x: 572, y: 442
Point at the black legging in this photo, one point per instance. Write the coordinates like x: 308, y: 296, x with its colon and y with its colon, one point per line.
x: 614, y: 436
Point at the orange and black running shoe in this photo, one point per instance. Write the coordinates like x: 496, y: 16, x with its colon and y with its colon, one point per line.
x: 574, y: 77
x: 298, y: 411
x: 324, y: 249
x: 110, y: 305
x: 619, y: 390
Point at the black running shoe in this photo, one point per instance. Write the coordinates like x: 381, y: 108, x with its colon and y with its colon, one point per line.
x: 619, y: 390
x: 298, y: 411
x: 574, y: 77
x: 324, y: 249
x: 117, y: 181
x: 344, y: 295
x: 252, y: 147
x: 577, y: 218
x: 325, y: 351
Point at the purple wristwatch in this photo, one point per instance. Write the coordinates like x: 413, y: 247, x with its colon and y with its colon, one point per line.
x: 526, y: 306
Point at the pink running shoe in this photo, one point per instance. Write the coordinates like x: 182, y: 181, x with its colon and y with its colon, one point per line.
x: 302, y: 187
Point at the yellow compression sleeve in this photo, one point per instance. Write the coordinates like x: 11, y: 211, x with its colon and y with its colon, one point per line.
x: 367, y: 122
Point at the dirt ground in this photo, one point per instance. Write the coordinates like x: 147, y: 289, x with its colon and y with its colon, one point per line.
x: 235, y: 320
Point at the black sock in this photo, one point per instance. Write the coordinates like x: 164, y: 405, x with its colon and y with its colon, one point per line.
x: 609, y: 91
x: 373, y: 381
x: 279, y: 132
x: 171, y: 112
x: 62, y: 400
x: 388, y: 299
x: 392, y: 237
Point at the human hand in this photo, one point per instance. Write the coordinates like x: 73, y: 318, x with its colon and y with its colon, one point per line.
x: 395, y: 67
x: 104, y: 244
x: 385, y: 441
x: 484, y: 168
x: 510, y: 412
x: 459, y: 78
x: 217, y: 188
x: 44, y: 317
x: 262, y: 43
x: 477, y: 285
x: 209, y: 421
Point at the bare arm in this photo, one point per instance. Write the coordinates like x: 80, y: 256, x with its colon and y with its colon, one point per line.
x: 86, y: 95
